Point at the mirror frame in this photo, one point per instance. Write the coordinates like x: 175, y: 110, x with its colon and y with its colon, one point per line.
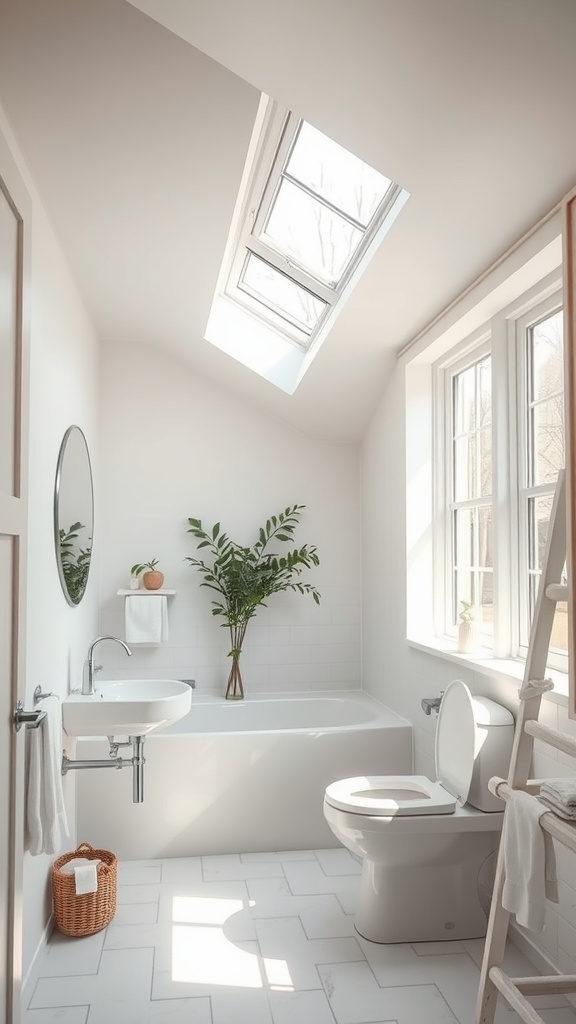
x: 72, y: 430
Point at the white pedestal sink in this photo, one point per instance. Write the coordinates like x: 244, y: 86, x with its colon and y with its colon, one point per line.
x: 125, y: 707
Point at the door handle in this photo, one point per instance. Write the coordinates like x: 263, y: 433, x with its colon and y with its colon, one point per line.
x: 31, y: 719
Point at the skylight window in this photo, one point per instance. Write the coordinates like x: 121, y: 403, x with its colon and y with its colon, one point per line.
x: 309, y: 218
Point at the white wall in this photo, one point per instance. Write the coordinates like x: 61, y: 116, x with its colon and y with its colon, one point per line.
x: 63, y: 390
x: 175, y: 446
x: 400, y: 675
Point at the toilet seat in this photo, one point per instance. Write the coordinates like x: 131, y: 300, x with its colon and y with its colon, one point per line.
x: 390, y: 796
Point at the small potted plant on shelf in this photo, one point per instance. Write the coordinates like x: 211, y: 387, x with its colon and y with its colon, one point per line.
x: 245, y: 577
x: 466, y: 629
x: 152, y: 578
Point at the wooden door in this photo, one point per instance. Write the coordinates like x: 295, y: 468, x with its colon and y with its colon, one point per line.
x: 14, y: 375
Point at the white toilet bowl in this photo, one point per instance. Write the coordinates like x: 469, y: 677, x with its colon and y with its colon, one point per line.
x: 427, y: 846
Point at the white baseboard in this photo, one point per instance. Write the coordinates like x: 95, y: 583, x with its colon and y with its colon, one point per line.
x: 534, y: 954
x: 531, y: 951
x: 29, y: 981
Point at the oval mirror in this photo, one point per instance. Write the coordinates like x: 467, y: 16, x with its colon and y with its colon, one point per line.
x: 73, y: 514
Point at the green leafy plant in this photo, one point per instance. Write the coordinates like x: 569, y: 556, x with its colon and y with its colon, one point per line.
x: 75, y: 561
x: 245, y: 577
x: 467, y: 613
x: 141, y: 566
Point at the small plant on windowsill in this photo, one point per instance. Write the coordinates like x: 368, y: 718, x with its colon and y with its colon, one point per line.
x: 152, y: 578
x: 244, y: 578
x: 467, y: 636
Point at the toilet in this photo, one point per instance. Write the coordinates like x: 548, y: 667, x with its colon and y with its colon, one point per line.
x: 428, y: 847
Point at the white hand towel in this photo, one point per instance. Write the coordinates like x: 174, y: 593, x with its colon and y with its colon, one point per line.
x: 146, y: 619
x: 85, y: 874
x: 529, y: 861
x: 45, y: 811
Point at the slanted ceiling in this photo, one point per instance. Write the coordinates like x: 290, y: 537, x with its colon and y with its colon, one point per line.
x: 135, y: 117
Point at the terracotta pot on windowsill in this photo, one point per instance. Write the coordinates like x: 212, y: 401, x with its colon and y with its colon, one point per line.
x: 153, y: 579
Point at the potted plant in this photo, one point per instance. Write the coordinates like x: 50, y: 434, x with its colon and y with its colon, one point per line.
x: 466, y: 629
x: 152, y: 577
x: 244, y: 577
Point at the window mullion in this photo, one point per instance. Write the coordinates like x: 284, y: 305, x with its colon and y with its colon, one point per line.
x: 286, y: 266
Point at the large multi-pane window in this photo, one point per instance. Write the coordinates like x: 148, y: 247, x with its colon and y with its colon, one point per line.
x: 503, y: 446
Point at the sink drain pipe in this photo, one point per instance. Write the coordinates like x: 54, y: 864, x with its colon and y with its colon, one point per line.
x: 136, y: 762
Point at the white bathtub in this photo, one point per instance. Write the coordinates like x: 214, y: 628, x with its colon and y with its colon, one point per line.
x: 241, y: 776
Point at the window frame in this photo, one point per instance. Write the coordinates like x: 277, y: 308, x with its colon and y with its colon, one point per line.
x: 523, y: 324
x: 502, y: 336
x: 276, y: 131
x: 471, y: 351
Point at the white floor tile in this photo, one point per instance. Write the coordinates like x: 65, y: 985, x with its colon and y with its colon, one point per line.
x: 260, y: 858
x: 300, y: 1008
x: 338, y: 862
x: 124, y: 976
x: 137, y: 894
x: 348, y: 900
x: 180, y: 1011
x: 324, y: 918
x: 240, y: 1006
x: 134, y: 913
x: 229, y: 866
x: 290, y: 958
x: 144, y: 874
x: 181, y: 871
x: 356, y: 998
x: 57, y: 1015
x: 308, y: 877
x: 437, y: 948
x: 65, y: 955
x: 133, y: 936
x: 267, y: 889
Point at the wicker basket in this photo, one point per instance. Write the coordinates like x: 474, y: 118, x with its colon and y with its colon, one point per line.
x: 91, y: 911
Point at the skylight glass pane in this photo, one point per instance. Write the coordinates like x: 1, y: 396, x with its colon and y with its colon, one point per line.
x: 280, y: 294
x: 337, y: 175
x: 320, y: 240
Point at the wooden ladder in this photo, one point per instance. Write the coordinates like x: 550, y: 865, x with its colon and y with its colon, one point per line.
x: 493, y: 980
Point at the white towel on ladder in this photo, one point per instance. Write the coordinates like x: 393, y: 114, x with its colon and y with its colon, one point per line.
x: 146, y: 619
x: 45, y: 811
x: 529, y: 861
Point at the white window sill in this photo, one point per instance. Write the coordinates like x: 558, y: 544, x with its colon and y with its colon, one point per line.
x: 511, y: 668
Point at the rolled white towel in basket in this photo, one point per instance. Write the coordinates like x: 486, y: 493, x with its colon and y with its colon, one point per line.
x: 85, y: 874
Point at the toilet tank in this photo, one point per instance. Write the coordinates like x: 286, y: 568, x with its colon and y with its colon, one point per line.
x: 474, y: 739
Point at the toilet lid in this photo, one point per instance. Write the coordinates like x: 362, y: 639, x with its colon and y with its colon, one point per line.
x: 455, y: 735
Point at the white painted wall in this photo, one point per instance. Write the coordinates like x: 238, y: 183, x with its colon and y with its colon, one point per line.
x: 63, y: 390
x: 400, y: 675
x: 175, y: 446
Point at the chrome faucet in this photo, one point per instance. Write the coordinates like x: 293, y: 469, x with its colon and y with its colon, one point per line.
x: 430, y: 704
x: 88, y: 682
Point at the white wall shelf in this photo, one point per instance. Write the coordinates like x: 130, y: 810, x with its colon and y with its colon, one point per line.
x: 143, y: 592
